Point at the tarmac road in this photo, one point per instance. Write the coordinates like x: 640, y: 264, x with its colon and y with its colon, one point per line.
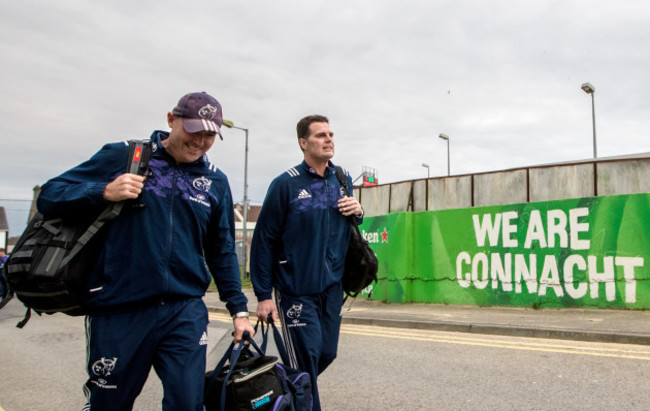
x: 390, y: 355
x: 42, y: 366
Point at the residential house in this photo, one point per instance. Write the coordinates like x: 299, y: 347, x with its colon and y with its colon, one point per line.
x: 253, y: 213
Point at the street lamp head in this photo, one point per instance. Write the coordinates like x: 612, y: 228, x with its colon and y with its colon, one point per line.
x: 444, y: 136
x: 588, y: 88
x: 425, y: 165
x: 231, y: 124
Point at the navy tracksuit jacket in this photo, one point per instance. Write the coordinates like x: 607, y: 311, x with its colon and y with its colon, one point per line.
x: 145, y: 291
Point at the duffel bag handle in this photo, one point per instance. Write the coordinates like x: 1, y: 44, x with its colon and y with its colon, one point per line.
x: 232, y: 354
x: 265, y: 334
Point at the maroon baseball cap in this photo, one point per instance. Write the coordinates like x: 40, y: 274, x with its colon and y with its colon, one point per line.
x: 200, y: 112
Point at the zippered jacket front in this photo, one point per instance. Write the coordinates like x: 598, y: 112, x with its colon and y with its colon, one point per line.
x: 301, y: 238
x: 165, y: 249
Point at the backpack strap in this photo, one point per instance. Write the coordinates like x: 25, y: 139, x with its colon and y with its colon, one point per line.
x: 6, y: 299
x: 340, y: 175
x: 107, y: 215
x: 139, y: 156
x: 28, y: 315
x: 137, y: 163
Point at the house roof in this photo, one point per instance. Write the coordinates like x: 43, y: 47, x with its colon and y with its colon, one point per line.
x: 253, y: 213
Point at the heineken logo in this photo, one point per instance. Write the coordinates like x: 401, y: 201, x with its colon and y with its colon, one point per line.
x: 375, y: 237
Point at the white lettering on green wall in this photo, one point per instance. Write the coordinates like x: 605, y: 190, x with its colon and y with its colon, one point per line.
x: 558, y: 230
x: 546, y: 263
x: 575, y: 276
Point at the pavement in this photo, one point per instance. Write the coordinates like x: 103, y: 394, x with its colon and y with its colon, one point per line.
x: 601, y: 325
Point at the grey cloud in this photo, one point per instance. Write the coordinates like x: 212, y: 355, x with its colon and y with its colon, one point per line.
x: 501, y: 78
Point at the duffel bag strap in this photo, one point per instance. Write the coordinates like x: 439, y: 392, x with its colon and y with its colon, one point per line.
x: 279, y: 344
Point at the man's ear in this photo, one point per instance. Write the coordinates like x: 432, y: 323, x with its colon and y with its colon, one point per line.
x: 170, y: 119
x: 302, y: 142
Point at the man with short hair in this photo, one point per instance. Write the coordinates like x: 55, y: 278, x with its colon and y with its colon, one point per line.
x: 299, y: 246
x: 145, y: 294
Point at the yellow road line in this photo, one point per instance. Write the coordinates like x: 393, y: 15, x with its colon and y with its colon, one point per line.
x: 448, y: 338
x: 226, y: 318
x: 218, y: 317
x: 388, y: 332
x: 482, y: 340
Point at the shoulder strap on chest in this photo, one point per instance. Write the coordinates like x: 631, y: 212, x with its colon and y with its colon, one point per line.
x: 342, y: 177
x: 139, y: 156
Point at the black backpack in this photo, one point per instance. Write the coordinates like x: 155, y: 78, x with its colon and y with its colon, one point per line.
x: 360, y: 261
x: 49, y: 267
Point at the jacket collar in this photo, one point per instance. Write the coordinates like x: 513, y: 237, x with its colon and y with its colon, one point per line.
x: 329, y: 170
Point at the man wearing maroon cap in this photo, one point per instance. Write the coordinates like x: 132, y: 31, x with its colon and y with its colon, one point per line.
x: 144, y: 296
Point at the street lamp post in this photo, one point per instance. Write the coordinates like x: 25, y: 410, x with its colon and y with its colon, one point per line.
x: 446, y: 137
x: 425, y: 165
x: 589, y: 89
x: 230, y: 124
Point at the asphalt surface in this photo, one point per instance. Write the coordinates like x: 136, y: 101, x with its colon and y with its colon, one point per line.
x: 603, y: 325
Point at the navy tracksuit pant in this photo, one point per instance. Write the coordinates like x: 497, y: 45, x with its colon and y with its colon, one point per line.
x: 122, y: 348
x: 310, y: 327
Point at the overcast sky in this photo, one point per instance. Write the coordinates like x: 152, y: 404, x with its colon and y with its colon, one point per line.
x: 500, y: 78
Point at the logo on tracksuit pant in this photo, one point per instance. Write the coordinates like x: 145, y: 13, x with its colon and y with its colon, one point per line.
x: 294, y: 316
x: 103, y: 368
